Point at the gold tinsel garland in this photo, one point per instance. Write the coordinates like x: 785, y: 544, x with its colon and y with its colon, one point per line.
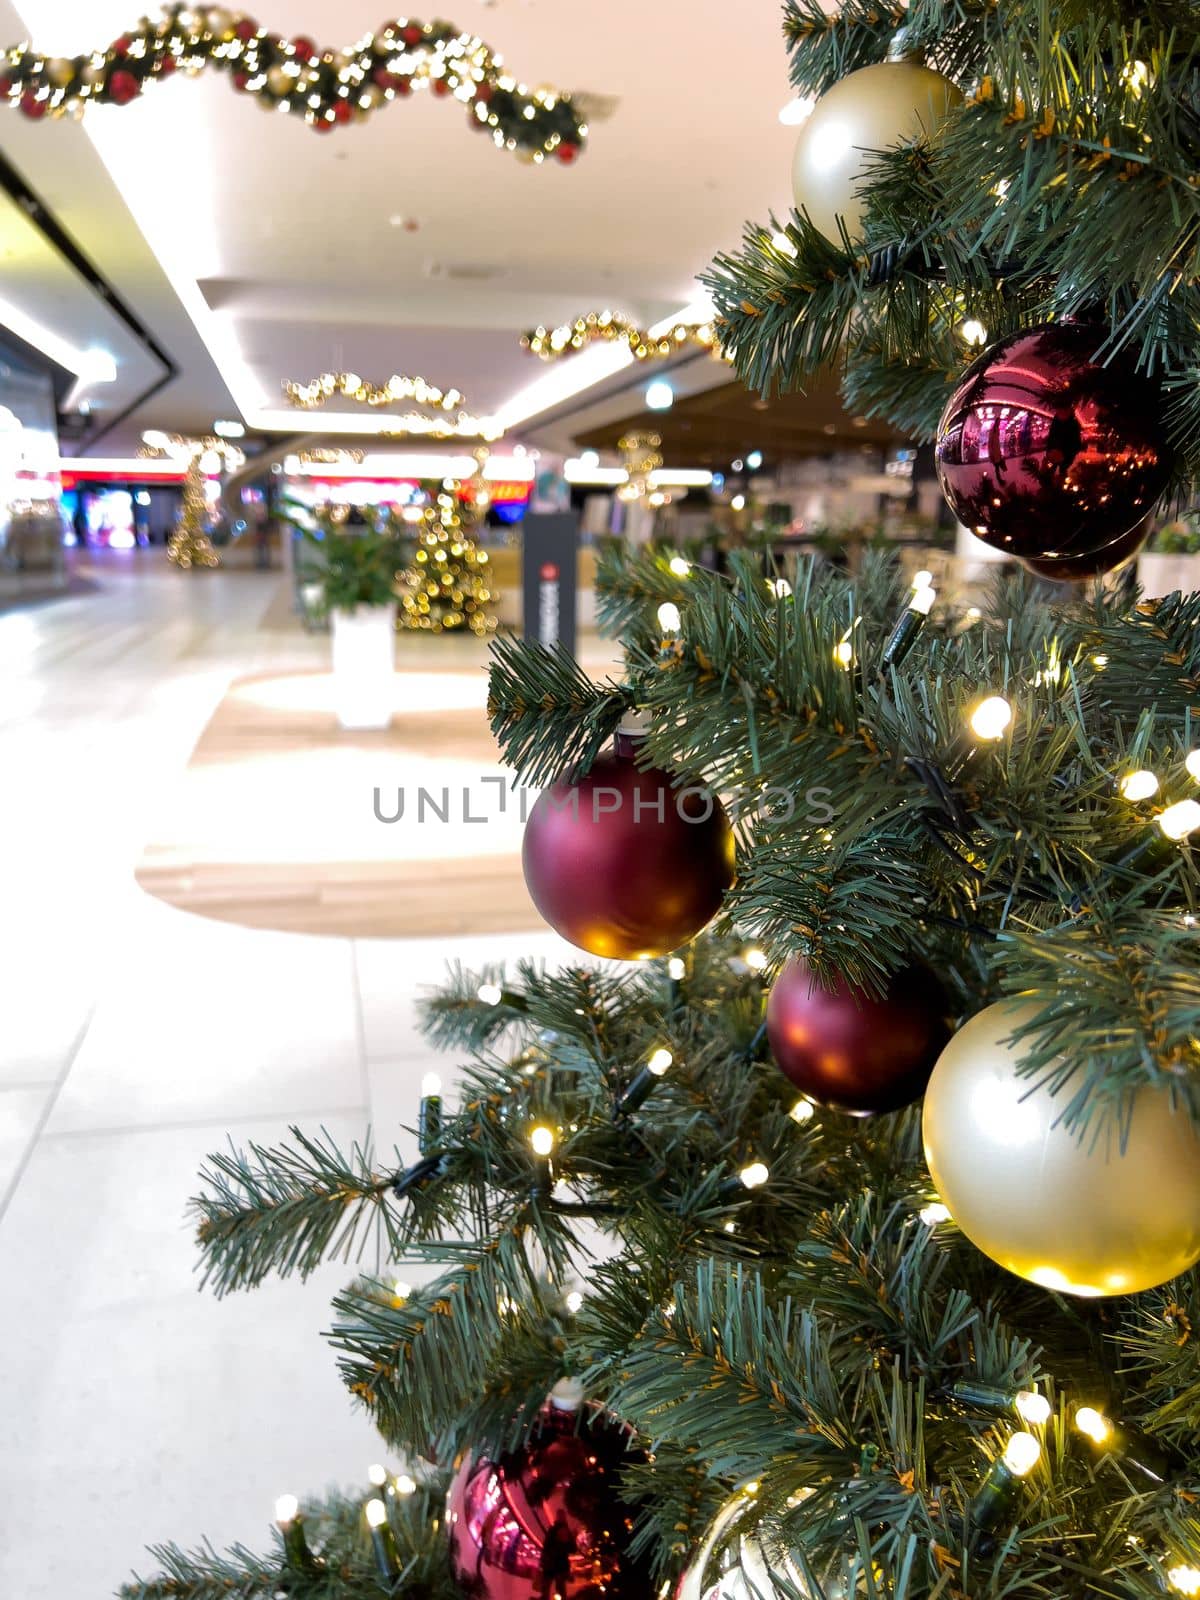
x: 447, y: 422
x: 326, y: 87
x: 609, y: 327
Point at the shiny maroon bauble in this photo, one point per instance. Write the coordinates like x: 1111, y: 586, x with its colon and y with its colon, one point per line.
x: 548, y: 1521
x: 1047, y: 455
x: 625, y: 864
x: 1078, y: 569
x: 846, y: 1048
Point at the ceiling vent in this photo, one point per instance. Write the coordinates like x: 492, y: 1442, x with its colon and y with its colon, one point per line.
x: 464, y: 271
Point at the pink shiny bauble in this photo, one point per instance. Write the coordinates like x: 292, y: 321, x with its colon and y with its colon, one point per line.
x: 547, y: 1521
x: 625, y: 865
x: 1046, y: 455
x: 845, y: 1048
x: 1079, y: 569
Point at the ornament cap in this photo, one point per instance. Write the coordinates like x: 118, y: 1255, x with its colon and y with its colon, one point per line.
x: 635, y: 723
x: 903, y: 46
x: 567, y: 1394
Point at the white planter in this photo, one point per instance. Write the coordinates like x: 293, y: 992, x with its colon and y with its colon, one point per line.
x: 1161, y: 574
x: 364, y: 665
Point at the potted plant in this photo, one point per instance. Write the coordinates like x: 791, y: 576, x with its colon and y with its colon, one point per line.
x: 1171, y: 560
x: 357, y: 565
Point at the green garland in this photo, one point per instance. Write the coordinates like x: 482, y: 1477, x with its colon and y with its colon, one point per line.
x: 327, y: 88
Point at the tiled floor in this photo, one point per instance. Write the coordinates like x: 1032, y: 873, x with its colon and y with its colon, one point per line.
x: 133, y: 1039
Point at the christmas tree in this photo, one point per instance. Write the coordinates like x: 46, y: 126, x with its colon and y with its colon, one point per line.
x: 448, y: 587
x: 189, y: 544
x: 814, y: 1337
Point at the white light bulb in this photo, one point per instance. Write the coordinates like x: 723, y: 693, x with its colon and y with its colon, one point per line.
x: 376, y: 1513
x: 677, y: 968
x: 401, y: 1290
x: 542, y: 1140
x: 973, y: 331
x: 843, y: 653
x: 286, y: 1509
x: 679, y: 566
x: 991, y: 717
x: 803, y: 1111
x: 377, y: 1475
x: 922, y: 601
x: 1179, y: 820
x: 659, y: 395
x: 784, y: 244
x: 490, y: 993
x: 922, y: 579
x: 754, y: 460
x: 779, y: 587
x: 756, y: 959
x: 1089, y: 1421
x: 1021, y: 1454
x: 431, y: 1085
x: 1184, y: 1580
x: 406, y: 1485
x: 669, y: 619
x: 1139, y: 785
x: 574, y: 1300
x: 755, y: 1175
x: 738, y: 502
x: 934, y: 1213
x: 1032, y: 1407
x: 660, y: 1062
x: 1192, y: 763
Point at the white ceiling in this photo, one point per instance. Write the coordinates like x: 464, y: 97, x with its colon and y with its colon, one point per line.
x: 261, y: 250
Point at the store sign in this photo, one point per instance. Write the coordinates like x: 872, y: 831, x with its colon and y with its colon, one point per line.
x: 549, y: 559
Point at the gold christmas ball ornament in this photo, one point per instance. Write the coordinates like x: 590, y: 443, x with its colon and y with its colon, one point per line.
x: 279, y: 81
x: 1084, y: 1215
x: 868, y: 110
x: 60, y: 71
x: 220, y: 22
x: 746, y: 1566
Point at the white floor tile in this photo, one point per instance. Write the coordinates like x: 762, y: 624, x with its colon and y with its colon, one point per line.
x: 21, y: 1110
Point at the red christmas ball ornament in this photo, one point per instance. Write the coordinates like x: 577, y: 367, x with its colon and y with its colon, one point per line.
x: 241, y: 81
x: 33, y: 107
x: 401, y: 84
x: 846, y: 1048
x: 167, y: 64
x: 1079, y: 569
x: 411, y: 34
x: 441, y: 88
x: 304, y: 49
x: 384, y: 78
x: 483, y: 94
x: 123, y: 87
x: 566, y: 153
x: 343, y: 111
x: 625, y: 863
x: 245, y: 29
x: 120, y: 47
x: 548, y: 1521
x: 1047, y: 455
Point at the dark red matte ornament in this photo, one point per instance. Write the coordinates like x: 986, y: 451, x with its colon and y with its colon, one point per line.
x: 547, y: 1521
x: 1045, y: 454
x: 845, y: 1048
x: 624, y: 864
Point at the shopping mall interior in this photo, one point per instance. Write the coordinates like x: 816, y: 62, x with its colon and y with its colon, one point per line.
x: 402, y: 421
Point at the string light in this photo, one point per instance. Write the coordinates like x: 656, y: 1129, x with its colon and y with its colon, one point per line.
x: 934, y: 1213
x: 574, y: 1300
x: 973, y: 332
x: 843, y: 654
x: 1139, y: 785
x: 660, y: 1062
x: 679, y: 566
x: 756, y: 959
x: 287, y: 1508
x: 431, y: 1084
x: 1179, y: 820
x: 779, y: 587
x: 1184, y: 1580
x: 1089, y: 1421
x: 1032, y: 1407
x: 401, y: 1290
x: 490, y: 994
x: 803, y: 1111
x: 991, y: 717
x: 1192, y: 762
x: 376, y: 1513
x: 754, y: 1175
x: 676, y: 968
x: 1021, y: 1454
x: 542, y: 1139
x: 405, y: 1485
x: 669, y: 619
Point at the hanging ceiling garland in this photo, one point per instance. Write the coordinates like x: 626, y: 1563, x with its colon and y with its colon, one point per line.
x: 610, y: 326
x: 324, y: 87
x: 447, y: 421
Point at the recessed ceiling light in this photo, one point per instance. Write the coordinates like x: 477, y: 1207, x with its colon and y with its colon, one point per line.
x: 229, y: 430
x: 659, y: 395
